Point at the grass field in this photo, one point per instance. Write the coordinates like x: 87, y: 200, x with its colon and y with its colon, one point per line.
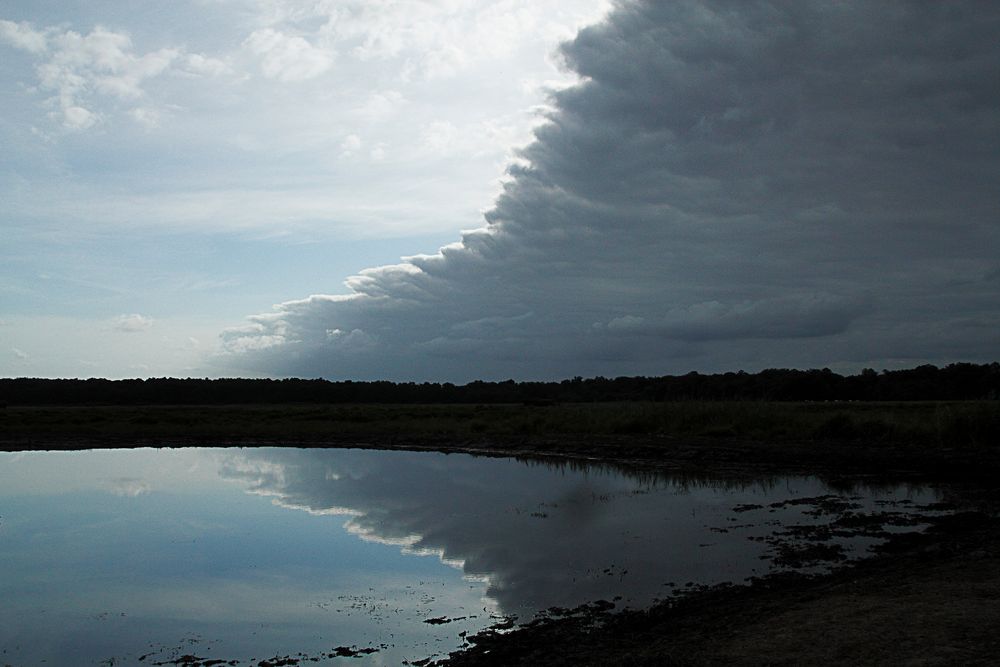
x: 948, y: 424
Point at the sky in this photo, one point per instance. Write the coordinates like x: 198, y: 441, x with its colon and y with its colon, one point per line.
x: 449, y: 190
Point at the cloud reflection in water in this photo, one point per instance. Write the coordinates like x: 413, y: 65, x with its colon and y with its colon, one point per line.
x: 540, y: 535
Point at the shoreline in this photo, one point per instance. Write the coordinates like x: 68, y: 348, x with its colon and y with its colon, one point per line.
x: 931, y: 598
x: 720, y: 457
x: 932, y: 440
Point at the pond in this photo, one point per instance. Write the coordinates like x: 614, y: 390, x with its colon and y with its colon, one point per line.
x: 190, y: 556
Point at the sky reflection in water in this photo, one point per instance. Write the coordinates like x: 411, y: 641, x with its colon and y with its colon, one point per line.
x: 120, y: 554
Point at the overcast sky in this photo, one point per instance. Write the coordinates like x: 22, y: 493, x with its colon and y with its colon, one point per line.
x: 439, y: 190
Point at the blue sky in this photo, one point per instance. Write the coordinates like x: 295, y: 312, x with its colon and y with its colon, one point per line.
x: 454, y: 190
x: 197, y: 162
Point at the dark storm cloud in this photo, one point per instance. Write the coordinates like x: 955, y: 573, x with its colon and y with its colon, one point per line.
x: 733, y: 184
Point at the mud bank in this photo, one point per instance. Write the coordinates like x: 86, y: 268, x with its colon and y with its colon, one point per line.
x: 930, y: 599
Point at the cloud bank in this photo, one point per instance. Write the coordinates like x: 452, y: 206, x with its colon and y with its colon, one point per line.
x: 732, y: 185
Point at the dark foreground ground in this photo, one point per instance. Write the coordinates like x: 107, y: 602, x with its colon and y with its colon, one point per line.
x: 932, y: 599
x: 937, y: 439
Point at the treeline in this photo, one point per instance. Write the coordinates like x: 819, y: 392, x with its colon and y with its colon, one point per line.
x: 954, y: 382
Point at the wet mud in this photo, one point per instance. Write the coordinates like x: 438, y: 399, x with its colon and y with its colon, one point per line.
x: 927, y: 598
x: 191, y: 660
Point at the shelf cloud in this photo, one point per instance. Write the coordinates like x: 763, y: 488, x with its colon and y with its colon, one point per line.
x: 731, y: 184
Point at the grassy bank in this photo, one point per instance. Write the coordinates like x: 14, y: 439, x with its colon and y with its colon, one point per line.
x: 945, y: 439
x: 948, y: 424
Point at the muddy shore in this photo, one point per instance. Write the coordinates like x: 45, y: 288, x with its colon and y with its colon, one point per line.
x: 931, y: 599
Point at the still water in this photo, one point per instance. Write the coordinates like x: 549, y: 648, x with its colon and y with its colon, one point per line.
x: 144, y: 556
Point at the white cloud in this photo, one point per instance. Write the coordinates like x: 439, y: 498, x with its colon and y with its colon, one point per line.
x: 76, y: 67
x: 22, y: 36
x: 78, y: 118
x: 93, y: 80
x: 147, y: 117
x: 202, y: 65
x: 19, y: 353
x: 288, y: 57
x: 241, y: 344
x: 443, y: 138
x: 440, y: 40
x: 133, y: 323
x: 439, y: 137
x: 101, y: 60
x: 350, y: 145
x: 381, y: 105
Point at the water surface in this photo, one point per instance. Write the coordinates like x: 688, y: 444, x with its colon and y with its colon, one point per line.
x: 144, y: 556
